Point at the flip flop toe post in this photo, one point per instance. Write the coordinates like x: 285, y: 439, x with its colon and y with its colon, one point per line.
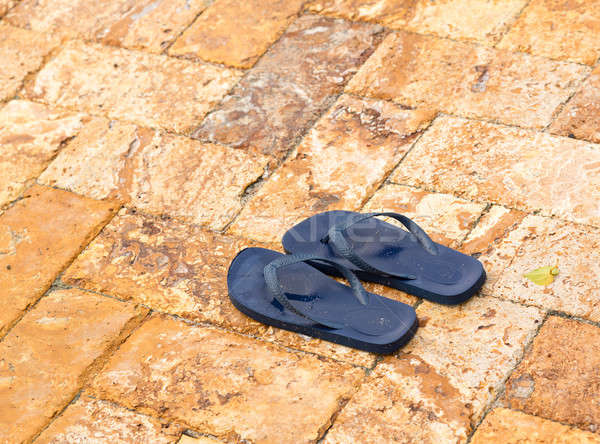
x: 378, y: 251
x: 285, y: 292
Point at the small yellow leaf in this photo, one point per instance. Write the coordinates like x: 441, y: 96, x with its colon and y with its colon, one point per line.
x: 543, y: 275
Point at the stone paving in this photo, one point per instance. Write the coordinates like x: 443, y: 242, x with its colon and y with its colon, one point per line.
x: 144, y: 143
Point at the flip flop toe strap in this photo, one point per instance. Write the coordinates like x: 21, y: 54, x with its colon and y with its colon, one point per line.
x: 274, y: 286
x: 337, y: 238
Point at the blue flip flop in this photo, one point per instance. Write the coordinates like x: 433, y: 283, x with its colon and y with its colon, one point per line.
x: 377, y: 251
x: 285, y: 292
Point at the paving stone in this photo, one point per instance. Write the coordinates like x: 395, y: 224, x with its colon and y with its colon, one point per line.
x: 504, y: 426
x: 156, y: 172
x: 92, y: 420
x: 558, y: 29
x: 580, y: 118
x: 518, y: 168
x: 403, y: 400
x: 30, y: 135
x: 182, y: 269
x: 225, y: 384
x: 44, y: 357
x: 21, y: 53
x: 447, y: 219
x: 467, y: 80
x: 338, y: 165
x: 574, y: 249
x: 236, y: 33
x: 292, y: 84
x: 459, y: 19
x: 39, y: 236
x: 147, y: 24
x: 474, y: 346
x: 494, y: 242
x: 148, y: 89
x: 558, y: 378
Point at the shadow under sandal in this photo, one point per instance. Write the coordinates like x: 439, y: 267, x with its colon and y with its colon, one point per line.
x: 285, y: 292
x: 377, y: 251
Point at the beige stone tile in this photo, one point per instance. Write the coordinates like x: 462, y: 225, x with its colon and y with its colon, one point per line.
x: 558, y: 378
x: 43, y: 357
x: 447, y: 219
x: 574, y: 249
x: 404, y: 400
x: 557, y: 29
x: 517, y: 168
x: 291, y: 85
x: 580, y: 118
x: 481, y: 20
x: 30, y: 136
x: 225, y: 384
x: 182, y: 269
x: 504, y: 426
x: 21, y: 53
x: 92, y: 420
x: 156, y: 172
x: 467, y: 80
x: 236, y: 33
x: 340, y: 162
x: 147, y: 89
x: 39, y: 236
x: 494, y: 241
x: 146, y: 24
x: 474, y: 346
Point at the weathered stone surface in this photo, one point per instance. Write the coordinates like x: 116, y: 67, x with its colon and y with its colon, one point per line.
x: 147, y: 24
x: 92, y: 420
x: 574, y: 249
x: 402, y: 401
x: 182, y: 270
x: 147, y: 89
x: 156, y: 172
x: 21, y: 52
x: 510, y: 166
x: 225, y: 384
x: 236, y: 33
x: 504, y: 426
x: 558, y: 29
x: 491, y: 243
x: 558, y: 378
x: 43, y: 357
x: 340, y: 162
x: 201, y: 440
x: 5, y: 5
x: 39, y: 236
x: 292, y: 84
x: 467, y: 80
x: 459, y: 19
x: 30, y: 136
x: 447, y: 219
x: 474, y: 346
x: 580, y: 118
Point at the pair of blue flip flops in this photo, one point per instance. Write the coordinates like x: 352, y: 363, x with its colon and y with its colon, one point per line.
x: 291, y: 291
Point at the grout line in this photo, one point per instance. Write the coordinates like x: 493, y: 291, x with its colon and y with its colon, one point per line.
x: 165, y: 51
x: 509, y: 25
x: 486, y: 210
x: 559, y: 109
x: 57, y: 283
x: 56, y: 415
x: 502, y: 385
